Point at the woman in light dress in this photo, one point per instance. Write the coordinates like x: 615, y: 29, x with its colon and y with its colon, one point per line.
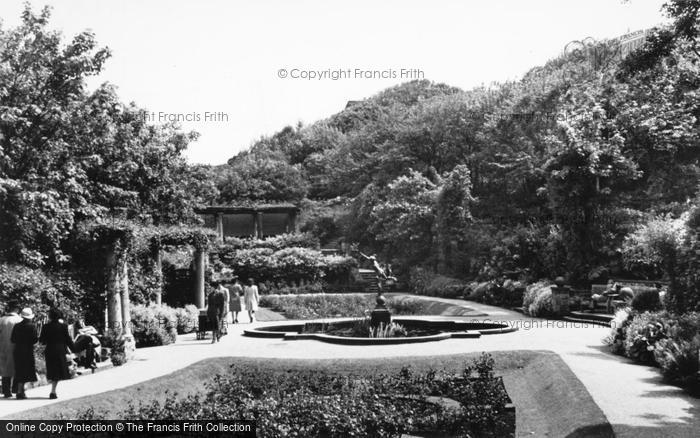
x: 251, y: 298
x: 235, y: 300
x: 227, y: 308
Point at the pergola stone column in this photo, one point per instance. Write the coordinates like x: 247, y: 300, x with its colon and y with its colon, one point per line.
x: 114, y: 301
x: 292, y: 222
x: 124, y: 294
x: 118, y: 305
x: 259, y: 225
x: 158, y: 269
x: 200, y: 265
x: 220, y: 226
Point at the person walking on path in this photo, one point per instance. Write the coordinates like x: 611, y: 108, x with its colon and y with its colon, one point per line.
x: 227, y: 309
x: 235, y: 300
x: 7, y: 357
x: 215, y: 312
x: 251, y: 298
x: 24, y: 337
x: 54, y: 334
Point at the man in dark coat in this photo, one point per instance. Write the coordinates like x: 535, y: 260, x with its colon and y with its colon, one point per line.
x: 215, y: 312
x: 24, y: 337
x: 7, y: 355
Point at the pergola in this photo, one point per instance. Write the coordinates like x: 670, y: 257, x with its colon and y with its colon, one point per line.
x: 117, y: 240
x: 257, y: 221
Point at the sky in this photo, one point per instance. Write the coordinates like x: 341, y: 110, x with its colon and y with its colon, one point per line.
x: 235, y: 70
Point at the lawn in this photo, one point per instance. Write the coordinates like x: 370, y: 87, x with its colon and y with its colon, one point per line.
x: 549, y: 399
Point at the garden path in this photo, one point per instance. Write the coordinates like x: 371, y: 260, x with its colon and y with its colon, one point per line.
x: 633, y: 398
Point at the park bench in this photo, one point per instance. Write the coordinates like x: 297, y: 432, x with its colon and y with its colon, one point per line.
x: 580, y: 299
x: 636, y: 286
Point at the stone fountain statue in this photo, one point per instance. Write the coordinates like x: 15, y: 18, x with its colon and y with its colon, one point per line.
x: 380, y: 314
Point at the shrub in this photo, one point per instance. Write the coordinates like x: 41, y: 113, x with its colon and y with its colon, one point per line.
x: 153, y: 325
x: 477, y: 291
x: 418, y: 280
x: 618, y: 330
x: 642, y: 334
x: 542, y: 306
x: 166, y: 318
x: 114, y: 340
x: 301, y: 240
x: 678, y: 359
x: 537, y: 299
x: 292, y: 264
x: 424, y: 282
x: 187, y: 319
x: 661, y: 338
x: 646, y: 300
x: 508, y: 294
x: 677, y: 355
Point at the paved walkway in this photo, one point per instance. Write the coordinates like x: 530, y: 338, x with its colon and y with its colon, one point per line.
x: 632, y: 397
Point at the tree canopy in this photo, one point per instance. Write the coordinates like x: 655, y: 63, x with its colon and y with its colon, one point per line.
x: 69, y: 154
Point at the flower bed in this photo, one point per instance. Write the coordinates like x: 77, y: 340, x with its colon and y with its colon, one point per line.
x: 311, y: 403
x: 661, y: 339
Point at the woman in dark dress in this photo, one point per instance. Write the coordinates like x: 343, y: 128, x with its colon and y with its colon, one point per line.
x: 24, y: 337
x: 55, y: 336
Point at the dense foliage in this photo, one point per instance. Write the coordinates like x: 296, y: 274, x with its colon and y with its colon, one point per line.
x: 68, y: 154
x: 542, y: 176
x: 72, y: 157
x: 21, y: 286
x: 313, y: 404
x: 663, y: 339
x: 586, y: 167
x: 273, y: 261
x: 301, y: 240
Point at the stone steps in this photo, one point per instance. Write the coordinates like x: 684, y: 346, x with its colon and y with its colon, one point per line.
x: 587, y: 321
x: 369, y: 278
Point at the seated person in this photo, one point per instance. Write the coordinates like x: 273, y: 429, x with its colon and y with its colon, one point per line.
x: 615, y: 291
x: 625, y: 293
x: 87, y: 345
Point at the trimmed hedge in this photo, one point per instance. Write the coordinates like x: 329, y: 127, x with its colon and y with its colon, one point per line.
x: 646, y: 300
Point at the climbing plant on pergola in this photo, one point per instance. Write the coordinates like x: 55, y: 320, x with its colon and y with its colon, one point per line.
x: 111, y: 243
